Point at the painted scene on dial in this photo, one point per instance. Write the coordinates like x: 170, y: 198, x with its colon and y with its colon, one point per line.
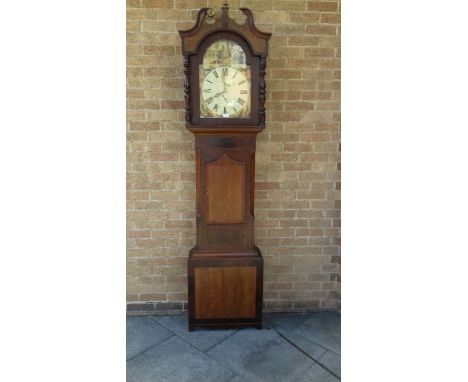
x: 225, y: 82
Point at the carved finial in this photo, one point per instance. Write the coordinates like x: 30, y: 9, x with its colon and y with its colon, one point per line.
x: 225, y: 15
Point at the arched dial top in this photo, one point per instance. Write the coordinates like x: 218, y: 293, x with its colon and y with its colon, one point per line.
x: 225, y: 82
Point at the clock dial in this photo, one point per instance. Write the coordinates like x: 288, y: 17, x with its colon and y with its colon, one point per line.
x: 225, y: 84
x: 225, y: 92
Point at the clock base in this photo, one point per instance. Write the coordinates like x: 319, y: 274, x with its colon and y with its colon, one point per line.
x: 225, y: 326
x: 225, y: 289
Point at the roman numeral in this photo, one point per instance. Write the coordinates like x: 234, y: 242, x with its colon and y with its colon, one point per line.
x: 225, y: 71
x: 225, y: 112
x: 209, y: 100
x: 235, y: 74
x: 209, y: 81
x: 208, y: 91
x: 215, y: 108
x: 234, y: 109
x: 243, y: 92
x: 240, y: 101
x: 216, y: 74
x: 242, y: 82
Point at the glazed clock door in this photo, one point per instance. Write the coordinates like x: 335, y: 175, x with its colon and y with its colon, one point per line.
x: 225, y: 81
x: 224, y: 74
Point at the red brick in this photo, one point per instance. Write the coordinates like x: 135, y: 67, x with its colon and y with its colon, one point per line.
x: 172, y: 104
x: 133, y: 4
x: 158, y: 3
x: 325, y: 6
x: 330, y: 18
x: 321, y: 29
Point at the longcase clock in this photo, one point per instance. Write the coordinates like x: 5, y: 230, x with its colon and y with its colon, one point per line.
x: 224, y: 108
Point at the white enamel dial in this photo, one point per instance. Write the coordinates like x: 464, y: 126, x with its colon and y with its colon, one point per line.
x: 226, y: 92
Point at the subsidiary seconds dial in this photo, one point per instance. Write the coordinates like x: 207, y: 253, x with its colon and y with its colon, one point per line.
x: 226, y: 92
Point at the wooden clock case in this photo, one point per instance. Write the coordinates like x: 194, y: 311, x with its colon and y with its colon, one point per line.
x: 225, y: 268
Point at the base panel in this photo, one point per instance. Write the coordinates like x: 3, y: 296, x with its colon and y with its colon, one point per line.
x: 225, y: 289
x: 257, y: 325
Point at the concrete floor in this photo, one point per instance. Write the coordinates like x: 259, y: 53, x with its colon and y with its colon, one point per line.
x: 291, y: 347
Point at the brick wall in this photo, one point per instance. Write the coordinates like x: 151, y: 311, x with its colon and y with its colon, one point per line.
x: 297, y: 162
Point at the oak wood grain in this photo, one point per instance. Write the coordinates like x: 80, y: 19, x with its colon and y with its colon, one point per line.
x: 239, y: 291
x: 208, y: 292
x: 225, y: 191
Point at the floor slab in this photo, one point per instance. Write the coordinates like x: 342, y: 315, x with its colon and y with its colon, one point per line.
x: 237, y: 379
x: 143, y: 333
x: 316, y: 373
x: 261, y: 355
x: 322, y: 328
x: 312, y: 349
x: 175, y: 360
x: 160, y: 348
x: 289, y: 321
x: 202, y: 339
x: 332, y: 361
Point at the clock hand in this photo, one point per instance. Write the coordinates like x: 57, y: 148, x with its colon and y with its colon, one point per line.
x: 224, y: 83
